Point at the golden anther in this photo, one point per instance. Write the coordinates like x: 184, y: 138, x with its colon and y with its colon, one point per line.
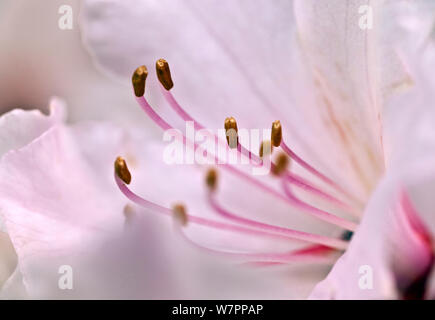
x: 231, y: 132
x: 121, y: 170
x: 265, y: 148
x: 276, y: 136
x: 282, y: 162
x: 164, y: 74
x: 138, y: 79
x: 180, y: 214
x: 211, y: 179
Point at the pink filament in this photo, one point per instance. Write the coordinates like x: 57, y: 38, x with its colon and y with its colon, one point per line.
x: 178, y: 109
x: 242, y: 150
x: 313, y: 254
x: 152, y: 114
x: 269, y: 258
x: 294, y: 202
x: 314, y: 171
x: 333, y: 243
x: 173, y: 103
x: 316, y: 213
x: 330, y: 242
x: 310, y: 188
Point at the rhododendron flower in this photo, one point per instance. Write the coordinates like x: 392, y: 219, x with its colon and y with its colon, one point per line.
x: 347, y: 197
x: 61, y: 209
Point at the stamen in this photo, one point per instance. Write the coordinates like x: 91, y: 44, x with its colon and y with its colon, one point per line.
x: 316, y: 191
x: 180, y: 214
x: 294, y: 234
x: 211, y: 179
x: 276, y: 135
x: 257, y: 161
x: 266, y: 148
x: 330, y: 242
x: 128, y: 213
x: 152, y: 114
x: 122, y: 171
x: 296, y: 256
x: 281, y: 165
x: 138, y: 80
x: 198, y: 126
x: 321, y: 214
x: 164, y: 74
x: 311, y: 254
x: 317, y: 173
x: 165, y: 126
x: 231, y: 132
x: 170, y: 99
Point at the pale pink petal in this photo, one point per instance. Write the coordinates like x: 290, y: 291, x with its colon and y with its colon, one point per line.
x: 19, y: 127
x: 355, y: 70
x: 224, y: 56
x: 396, y: 232
x: 62, y: 207
x: 40, y: 60
x: 394, y: 241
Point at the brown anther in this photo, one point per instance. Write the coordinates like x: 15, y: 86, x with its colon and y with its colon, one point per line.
x: 231, y: 132
x: 164, y: 74
x: 128, y: 213
x: 282, y: 162
x: 138, y: 80
x: 121, y: 170
x: 276, y: 136
x: 265, y: 148
x: 180, y: 214
x: 211, y: 179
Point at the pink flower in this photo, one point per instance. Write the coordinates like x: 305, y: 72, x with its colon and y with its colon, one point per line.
x: 61, y: 208
x: 356, y: 163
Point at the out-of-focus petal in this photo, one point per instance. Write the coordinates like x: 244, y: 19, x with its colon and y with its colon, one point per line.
x: 413, y: 34
x: 19, y: 127
x: 224, y: 56
x: 40, y: 60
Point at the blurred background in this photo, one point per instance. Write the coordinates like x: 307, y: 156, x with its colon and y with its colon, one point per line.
x: 39, y: 60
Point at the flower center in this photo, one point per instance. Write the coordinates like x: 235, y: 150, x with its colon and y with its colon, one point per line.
x: 323, y: 249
